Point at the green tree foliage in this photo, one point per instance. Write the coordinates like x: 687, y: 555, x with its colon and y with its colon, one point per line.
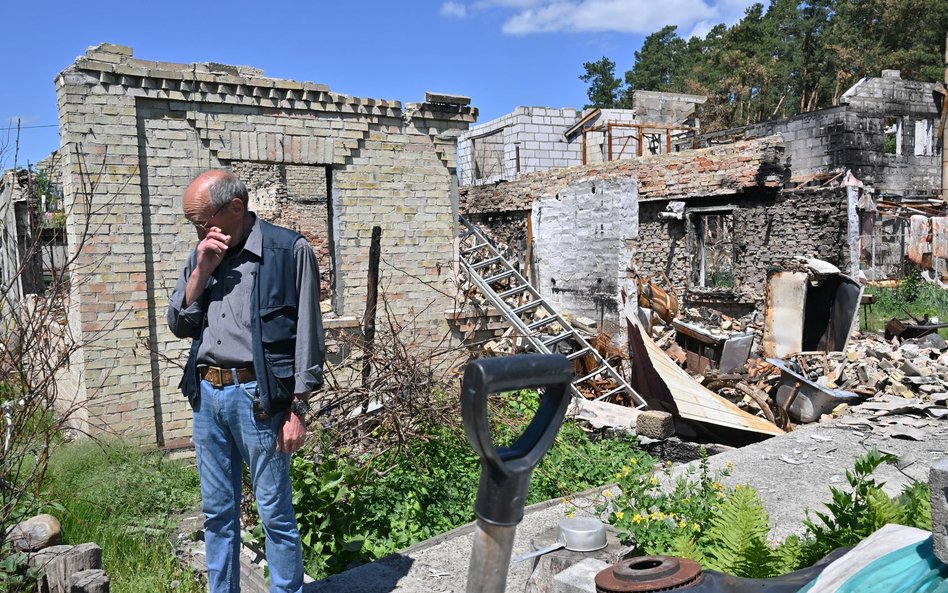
x: 786, y: 58
x: 603, y: 85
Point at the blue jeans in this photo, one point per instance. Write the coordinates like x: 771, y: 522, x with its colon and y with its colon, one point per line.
x: 225, y: 435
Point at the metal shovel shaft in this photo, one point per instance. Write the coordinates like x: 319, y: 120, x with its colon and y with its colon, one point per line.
x: 490, y: 557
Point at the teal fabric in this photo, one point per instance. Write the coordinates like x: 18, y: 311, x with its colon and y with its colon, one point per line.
x: 912, y: 569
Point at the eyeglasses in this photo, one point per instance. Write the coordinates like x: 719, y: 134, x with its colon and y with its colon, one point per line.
x: 202, y: 227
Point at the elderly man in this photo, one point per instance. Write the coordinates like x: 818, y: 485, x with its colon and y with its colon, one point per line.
x: 248, y: 297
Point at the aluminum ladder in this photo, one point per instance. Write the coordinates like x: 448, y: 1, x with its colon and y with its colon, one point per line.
x: 501, y: 283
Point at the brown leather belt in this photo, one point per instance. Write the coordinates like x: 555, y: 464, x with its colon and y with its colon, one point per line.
x: 219, y: 377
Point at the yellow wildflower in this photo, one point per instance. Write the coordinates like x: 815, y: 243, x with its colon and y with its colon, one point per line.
x: 720, y: 495
x: 637, y: 518
x: 619, y: 515
x: 661, y: 516
x: 697, y: 528
x: 633, y: 460
x: 626, y: 470
x: 654, y: 480
x: 618, y: 476
x: 682, y: 524
x: 607, y: 493
x: 571, y: 514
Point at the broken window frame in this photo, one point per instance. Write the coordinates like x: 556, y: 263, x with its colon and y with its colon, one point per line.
x: 892, y: 128
x: 697, y: 217
x: 487, y: 155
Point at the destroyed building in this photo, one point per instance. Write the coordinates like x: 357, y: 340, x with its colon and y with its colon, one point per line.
x: 712, y: 220
x: 539, y: 138
x: 135, y: 132
x: 885, y: 131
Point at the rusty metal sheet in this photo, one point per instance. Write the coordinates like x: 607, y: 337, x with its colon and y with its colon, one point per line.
x: 694, y: 401
x: 918, y: 241
x: 784, y: 301
x: 940, y: 237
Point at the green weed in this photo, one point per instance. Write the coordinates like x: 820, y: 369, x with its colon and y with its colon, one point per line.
x: 124, y: 500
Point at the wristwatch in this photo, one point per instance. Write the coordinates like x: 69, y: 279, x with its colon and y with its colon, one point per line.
x: 300, y: 408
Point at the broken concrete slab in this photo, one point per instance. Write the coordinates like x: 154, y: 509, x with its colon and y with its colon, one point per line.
x: 938, y: 483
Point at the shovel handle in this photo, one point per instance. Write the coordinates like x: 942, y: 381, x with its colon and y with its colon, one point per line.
x: 505, y: 471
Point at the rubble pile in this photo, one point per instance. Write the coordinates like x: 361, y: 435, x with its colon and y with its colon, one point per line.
x: 892, y: 386
x: 719, y: 324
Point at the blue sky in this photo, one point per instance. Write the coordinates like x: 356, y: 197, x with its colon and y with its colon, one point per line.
x: 501, y: 53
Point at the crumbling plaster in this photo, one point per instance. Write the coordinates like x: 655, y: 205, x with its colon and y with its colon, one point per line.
x: 579, y: 237
x: 138, y: 131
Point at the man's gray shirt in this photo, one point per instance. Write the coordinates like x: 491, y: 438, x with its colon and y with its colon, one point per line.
x: 227, y: 337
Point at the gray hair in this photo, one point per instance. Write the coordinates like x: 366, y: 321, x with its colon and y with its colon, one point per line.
x: 226, y: 189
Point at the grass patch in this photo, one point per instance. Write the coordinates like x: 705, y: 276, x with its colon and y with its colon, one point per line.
x: 917, y: 299
x: 125, y: 500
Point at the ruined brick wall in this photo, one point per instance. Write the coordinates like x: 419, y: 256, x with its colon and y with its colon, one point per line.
x: 141, y: 130
x: 853, y: 136
x: 597, y: 210
x: 296, y: 197
x: 769, y: 228
x: 718, y: 170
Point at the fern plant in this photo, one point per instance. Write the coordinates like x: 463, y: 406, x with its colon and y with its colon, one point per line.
x: 736, y: 540
x: 853, y: 515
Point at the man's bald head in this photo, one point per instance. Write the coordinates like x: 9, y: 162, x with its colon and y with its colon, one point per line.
x: 211, y: 190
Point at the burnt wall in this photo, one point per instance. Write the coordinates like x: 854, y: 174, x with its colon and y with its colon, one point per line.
x: 884, y: 131
x: 768, y: 228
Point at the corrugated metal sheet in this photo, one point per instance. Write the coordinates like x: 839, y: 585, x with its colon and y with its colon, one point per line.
x: 694, y: 401
x: 940, y: 237
x: 918, y: 241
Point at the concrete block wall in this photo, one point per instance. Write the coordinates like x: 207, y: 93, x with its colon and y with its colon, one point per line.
x: 135, y: 132
x: 852, y: 136
x: 542, y: 145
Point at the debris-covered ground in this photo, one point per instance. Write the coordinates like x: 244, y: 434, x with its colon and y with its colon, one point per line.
x: 894, y: 387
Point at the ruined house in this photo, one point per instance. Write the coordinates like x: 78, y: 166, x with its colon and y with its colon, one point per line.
x: 885, y: 132
x: 539, y: 138
x: 712, y: 220
x: 33, y: 246
x: 135, y: 132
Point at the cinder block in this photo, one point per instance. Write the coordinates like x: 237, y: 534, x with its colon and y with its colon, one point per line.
x: 938, y: 484
x: 655, y: 424
x: 579, y: 578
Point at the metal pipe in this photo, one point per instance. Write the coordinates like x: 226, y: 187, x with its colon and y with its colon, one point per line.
x: 609, y: 139
x: 490, y: 557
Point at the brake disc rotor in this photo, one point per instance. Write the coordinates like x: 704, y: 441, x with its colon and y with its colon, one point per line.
x: 647, y: 574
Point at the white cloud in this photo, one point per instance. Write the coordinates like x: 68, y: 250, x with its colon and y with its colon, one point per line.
x: 623, y: 16
x: 453, y: 10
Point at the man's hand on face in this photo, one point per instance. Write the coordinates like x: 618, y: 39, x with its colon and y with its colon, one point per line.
x: 211, y: 250
x: 292, y: 433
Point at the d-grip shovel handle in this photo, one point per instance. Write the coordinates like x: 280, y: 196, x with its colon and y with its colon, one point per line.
x: 505, y: 471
